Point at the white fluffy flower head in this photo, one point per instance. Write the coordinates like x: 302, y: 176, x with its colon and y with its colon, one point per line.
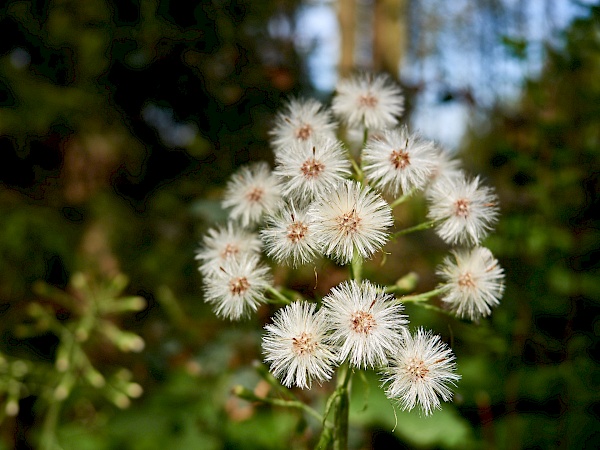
x: 371, y: 101
x: 474, y: 282
x: 366, y: 323
x: 350, y: 218
x: 420, y: 372
x: 288, y: 236
x: 302, y: 120
x: 251, y: 192
x: 222, y: 243
x: 399, y: 161
x: 446, y: 167
x: 238, y: 287
x: 311, y: 168
x: 467, y: 211
x: 295, y: 346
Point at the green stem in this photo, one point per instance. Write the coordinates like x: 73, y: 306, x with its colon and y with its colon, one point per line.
x: 422, y: 297
x: 278, y: 297
x: 342, y: 409
x: 403, y: 285
x: 436, y: 309
x: 48, y: 437
x: 266, y: 375
x: 419, y: 227
x: 401, y: 199
x: 248, y: 395
x: 356, y: 267
x: 356, y: 167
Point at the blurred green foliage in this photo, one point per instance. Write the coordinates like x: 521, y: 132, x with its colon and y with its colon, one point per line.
x: 543, y: 156
x: 90, y: 184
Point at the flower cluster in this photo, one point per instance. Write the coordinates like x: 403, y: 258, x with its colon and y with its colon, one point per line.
x: 320, y: 202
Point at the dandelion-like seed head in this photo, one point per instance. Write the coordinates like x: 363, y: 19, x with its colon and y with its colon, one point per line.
x: 465, y: 210
x: 308, y: 169
x: 223, y: 243
x: 474, y: 282
x: 372, y: 102
x: 420, y: 372
x: 445, y: 167
x: 251, y: 192
x: 398, y: 161
x: 288, y: 236
x: 366, y: 323
x: 238, y: 287
x: 301, y: 120
x: 350, y: 218
x: 295, y: 346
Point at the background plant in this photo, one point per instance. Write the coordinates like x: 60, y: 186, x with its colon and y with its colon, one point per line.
x: 71, y: 99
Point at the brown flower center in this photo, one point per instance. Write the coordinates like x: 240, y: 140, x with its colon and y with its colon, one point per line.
x: 303, y: 344
x: 400, y: 159
x: 362, y: 322
x: 296, y: 231
x: 304, y: 132
x: 461, y: 207
x: 239, y: 285
x: 416, y: 369
x: 312, y: 168
x: 230, y: 250
x: 255, y: 194
x: 349, y: 223
x: 465, y: 280
x: 368, y: 100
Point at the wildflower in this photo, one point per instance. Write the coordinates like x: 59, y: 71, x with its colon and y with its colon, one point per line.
x: 475, y: 282
x: 288, y: 236
x: 302, y: 120
x: 309, y: 169
x: 420, y: 372
x: 445, y: 166
x: 295, y: 346
x: 364, y: 100
x: 238, y: 287
x: 466, y: 210
x: 399, y: 161
x: 251, y: 192
x: 366, y: 323
x: 220, y: 244
x: 349, y: 219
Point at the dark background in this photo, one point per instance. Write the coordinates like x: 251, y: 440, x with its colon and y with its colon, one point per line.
x: 120, y: 123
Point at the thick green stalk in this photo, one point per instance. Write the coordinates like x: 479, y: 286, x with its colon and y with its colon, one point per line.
x: 356, y: 267
x: 342, y: 409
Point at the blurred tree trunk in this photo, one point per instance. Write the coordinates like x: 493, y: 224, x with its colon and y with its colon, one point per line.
x: 389, y: 35
x: 387, y: 38
x: 347, y: 18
